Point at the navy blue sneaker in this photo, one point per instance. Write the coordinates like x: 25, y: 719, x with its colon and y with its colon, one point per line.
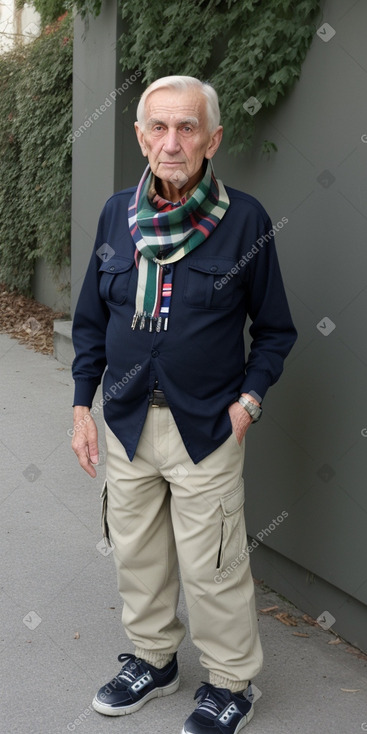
x: 219, y: 711
x: 136, y: 683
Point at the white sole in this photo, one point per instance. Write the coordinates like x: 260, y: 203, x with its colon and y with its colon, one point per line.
x: 104, y: 708
x: 246, y: 720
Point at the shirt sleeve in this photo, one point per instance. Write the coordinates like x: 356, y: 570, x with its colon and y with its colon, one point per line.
x: 89, y: 331
x: 272, y: 330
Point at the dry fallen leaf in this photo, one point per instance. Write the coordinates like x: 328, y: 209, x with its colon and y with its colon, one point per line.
x: 31, y: 326
x: 76, y: 636
x: 355, y: 651
x: 300, y: 634
x: 350, y: 690
x: 26, y: 320
x: 268, y: 609
x: 335, y: 642
x: 285, y: 618
x: 310, y: 620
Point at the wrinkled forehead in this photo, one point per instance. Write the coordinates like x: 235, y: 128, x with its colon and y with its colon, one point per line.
x: 172, y: 105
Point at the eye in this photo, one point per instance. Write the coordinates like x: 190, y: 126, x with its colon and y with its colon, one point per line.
x: 186, y: 128
x: 157, y: 129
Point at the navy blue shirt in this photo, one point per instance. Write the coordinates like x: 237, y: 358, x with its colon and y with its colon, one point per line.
x: 200, y: 360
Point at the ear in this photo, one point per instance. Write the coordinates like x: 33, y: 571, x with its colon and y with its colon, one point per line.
x: 140, y: 137
x: 214, y: 143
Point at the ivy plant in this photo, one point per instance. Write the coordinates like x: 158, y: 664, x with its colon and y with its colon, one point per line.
x: 35, y: 155
x: 49, y: 10
x: 250, y: 50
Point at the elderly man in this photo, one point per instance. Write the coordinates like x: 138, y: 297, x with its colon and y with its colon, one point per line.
x: 178, y: 264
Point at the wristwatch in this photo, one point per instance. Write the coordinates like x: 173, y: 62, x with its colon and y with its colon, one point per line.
x: 253, y: 410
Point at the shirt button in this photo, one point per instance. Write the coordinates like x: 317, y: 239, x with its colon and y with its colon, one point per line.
x: 155, y: 352
x: 213, y: 269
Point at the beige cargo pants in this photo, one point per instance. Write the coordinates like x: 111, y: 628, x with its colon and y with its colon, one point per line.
x: 166, y: 513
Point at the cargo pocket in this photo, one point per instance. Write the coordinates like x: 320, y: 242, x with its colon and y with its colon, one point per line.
x: 105, y: 528
x: 232, y: 539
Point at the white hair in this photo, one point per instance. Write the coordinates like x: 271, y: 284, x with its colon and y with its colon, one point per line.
x: 182, y: 83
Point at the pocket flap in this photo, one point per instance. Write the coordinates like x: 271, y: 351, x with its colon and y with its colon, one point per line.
x: 233, y: 501
x: 211, y: 266
x: 116, y: 265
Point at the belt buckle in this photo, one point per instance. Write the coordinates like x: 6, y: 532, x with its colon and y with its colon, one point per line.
x: 152, y: 403
x: 158, y: 399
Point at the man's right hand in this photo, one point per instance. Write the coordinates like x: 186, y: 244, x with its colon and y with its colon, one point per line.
x: 85, y: 439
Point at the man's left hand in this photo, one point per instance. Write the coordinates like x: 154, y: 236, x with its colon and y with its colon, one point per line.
x: 240, y: 418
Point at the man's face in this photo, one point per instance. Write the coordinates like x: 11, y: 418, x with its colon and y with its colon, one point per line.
x: 176, y: 138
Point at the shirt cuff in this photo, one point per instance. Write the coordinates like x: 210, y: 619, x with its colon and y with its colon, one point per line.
x: 85, y: 391
x: 256, y: 384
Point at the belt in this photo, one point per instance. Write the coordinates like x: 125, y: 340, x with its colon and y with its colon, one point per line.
x: 158, y: 400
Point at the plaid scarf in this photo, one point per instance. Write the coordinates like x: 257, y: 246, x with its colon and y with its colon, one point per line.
x: 163, y: 233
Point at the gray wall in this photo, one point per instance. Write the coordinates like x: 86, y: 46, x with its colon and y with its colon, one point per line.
x: 99, y: 150
x: 54, y: 293
x: 307, y: 457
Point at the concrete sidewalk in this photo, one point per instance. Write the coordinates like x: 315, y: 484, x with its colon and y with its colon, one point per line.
x: 61, y: 630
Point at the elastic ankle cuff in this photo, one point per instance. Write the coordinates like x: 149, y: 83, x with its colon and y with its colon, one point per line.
x: 233, y: 685
x: 157, y: 659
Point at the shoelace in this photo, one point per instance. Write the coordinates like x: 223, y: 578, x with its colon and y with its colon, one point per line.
x: 211, y: 700
x: 131, y: 668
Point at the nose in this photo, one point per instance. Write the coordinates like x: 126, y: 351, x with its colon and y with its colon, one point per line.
x: 171, y: 142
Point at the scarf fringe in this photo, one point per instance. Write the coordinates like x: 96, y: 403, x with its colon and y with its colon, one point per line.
x: 155, y: 322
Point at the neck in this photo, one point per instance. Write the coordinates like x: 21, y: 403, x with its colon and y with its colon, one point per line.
x: 170, y: 192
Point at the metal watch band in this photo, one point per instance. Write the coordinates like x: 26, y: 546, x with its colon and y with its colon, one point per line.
x: 253, y: 410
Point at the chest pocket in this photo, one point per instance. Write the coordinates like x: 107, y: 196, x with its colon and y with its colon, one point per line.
x: 115, y: 276
x: 210, y: 284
